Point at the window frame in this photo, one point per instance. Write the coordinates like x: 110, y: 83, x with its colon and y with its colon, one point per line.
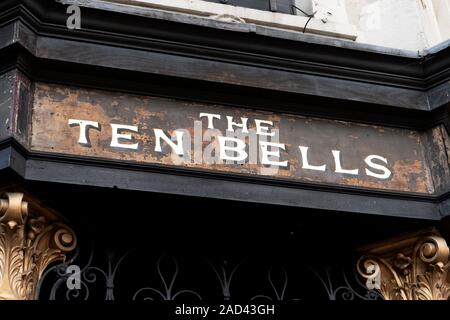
x: 217, y: 11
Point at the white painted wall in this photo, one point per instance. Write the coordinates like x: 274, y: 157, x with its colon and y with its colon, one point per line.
x: 401, y: 24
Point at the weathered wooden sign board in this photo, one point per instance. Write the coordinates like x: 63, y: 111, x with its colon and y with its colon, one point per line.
x: 151, y: 130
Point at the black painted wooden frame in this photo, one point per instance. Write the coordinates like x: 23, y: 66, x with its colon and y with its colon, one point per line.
x: 276, y: 71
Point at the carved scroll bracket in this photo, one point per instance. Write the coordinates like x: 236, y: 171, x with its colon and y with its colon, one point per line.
x: 415, y: 268
x: 29, y: 242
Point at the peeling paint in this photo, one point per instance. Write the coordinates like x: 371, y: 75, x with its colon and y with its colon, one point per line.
x: 54, y: 105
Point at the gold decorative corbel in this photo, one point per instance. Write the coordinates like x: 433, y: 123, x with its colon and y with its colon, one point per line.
x: 29, y: 243
x: 414, y: 268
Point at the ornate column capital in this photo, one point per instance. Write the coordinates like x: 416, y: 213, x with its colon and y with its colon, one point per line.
x: 29, y: 242
x: 414, y: 268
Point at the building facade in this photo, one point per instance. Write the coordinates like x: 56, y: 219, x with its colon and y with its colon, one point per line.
x: 224, y: 150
